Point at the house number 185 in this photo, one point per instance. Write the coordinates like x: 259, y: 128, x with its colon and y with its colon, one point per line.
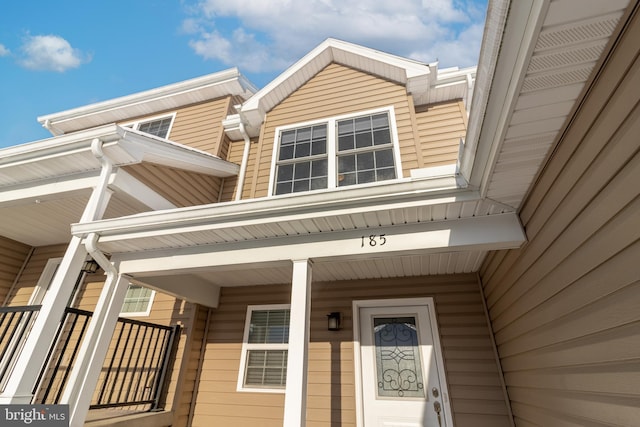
x: 373, y: 240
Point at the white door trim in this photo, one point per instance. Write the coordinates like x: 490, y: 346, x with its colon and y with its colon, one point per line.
x: 398, y: 302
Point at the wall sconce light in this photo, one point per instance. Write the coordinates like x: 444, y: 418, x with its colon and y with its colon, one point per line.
x: 90, y: 266
x: 333, y: 321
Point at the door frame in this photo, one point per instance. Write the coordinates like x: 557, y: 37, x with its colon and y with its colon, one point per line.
x: 398, y: 302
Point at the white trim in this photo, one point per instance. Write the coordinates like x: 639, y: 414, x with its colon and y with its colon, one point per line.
x: 246, y: 347
x: 44, y: 281
x: 398, y: 302
x: 136, y: 123
x: 332, y: 150
x: 138, y: 313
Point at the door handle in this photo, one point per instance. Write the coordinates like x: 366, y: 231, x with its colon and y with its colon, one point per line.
x: 438, y: 408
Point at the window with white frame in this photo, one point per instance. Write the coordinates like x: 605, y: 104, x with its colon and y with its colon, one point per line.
x: 263, y: 363
x: 137, y: 301
x: 158, y: 126
x: 336, y: 152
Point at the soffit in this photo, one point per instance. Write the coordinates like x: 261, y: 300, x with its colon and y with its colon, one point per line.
x: 45, y: 221
x: 572, y: 39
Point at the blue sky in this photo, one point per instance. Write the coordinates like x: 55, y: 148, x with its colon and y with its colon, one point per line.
x: 60, y: 55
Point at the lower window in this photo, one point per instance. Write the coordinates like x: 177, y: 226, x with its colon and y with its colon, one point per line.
x: 263, y: 363
x: 137, y: 301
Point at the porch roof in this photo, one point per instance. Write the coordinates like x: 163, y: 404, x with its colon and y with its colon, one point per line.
x: 45, y: 185
x: 430, y: 226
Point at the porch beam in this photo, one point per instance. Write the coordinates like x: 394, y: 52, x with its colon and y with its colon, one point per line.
x: 187, y: 287
x: 479, y: 233
x: 295, y: 400
x: 125, y: 182
x: 49, y: 189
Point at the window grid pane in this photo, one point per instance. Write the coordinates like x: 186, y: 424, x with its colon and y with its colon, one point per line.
x: 266, y: 368
x: 136, y: 300
x: 364, y: 150
x: 302, y: 161
x: 156, y: 127
x: 269, y: 327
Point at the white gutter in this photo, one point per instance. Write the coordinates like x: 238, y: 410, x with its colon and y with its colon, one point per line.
x: 48, y: 126
x: 245, y: 160
x: 95, y: 204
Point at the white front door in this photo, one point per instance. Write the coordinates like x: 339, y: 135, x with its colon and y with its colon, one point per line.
x: 402, y: 377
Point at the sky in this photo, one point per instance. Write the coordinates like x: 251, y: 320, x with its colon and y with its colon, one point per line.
x: 58, y: 55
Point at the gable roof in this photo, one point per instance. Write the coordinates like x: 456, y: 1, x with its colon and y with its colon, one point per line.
x: 215, y: 85
x: 423, y: 81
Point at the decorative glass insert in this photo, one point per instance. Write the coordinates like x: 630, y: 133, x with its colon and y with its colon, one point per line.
x: 398, y: 361
x: 266, y: 360
x: 365, y: 152
x: 156, y: 127
x: 302, y: 160
x: 137, y: 300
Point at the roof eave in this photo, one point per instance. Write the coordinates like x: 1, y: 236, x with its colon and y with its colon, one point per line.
x: 154, y: 100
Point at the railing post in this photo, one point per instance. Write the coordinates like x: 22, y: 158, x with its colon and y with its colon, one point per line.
x: 169, y: 354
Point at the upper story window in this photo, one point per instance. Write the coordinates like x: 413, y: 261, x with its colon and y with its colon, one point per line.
x: 158, y: 126
x: 336, y: 152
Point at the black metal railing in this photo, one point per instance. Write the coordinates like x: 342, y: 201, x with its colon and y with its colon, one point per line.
x: 15, y: 324
x: 134, y: 371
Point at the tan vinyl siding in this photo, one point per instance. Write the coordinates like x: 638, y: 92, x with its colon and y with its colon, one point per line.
x: 197, y: 125
x: 564, y: 308
x: 440, y: 128
x: 29, y: 278
x: 334, y: 91
x: 180, y: 187
x: 13, y: 255
x: 473, y: 378
x: 235, y: 153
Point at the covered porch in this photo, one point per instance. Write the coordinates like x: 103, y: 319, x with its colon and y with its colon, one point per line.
x: 319, y: 255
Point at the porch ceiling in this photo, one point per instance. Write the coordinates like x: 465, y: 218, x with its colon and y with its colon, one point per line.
x: 547, y: 54
x: 43, y: 221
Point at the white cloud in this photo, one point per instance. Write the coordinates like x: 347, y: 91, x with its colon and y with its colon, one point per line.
x: 259, y: 35
x: 50, y: 53
x: 3, y: 50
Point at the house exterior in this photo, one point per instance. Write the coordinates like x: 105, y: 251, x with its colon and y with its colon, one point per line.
x: 367, y: 240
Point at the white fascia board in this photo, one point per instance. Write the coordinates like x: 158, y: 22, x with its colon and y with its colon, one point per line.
x: 291, y: 207
x: 230, y: 76
x: 492, y: 232
x: 57, y: 146
x: 168, y: 153
x: 510, y: 37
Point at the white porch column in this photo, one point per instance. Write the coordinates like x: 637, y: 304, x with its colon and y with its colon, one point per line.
x: 92, y: 352
x: 295, y: 401
x: 19, y: 386
x: 22, y: 378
